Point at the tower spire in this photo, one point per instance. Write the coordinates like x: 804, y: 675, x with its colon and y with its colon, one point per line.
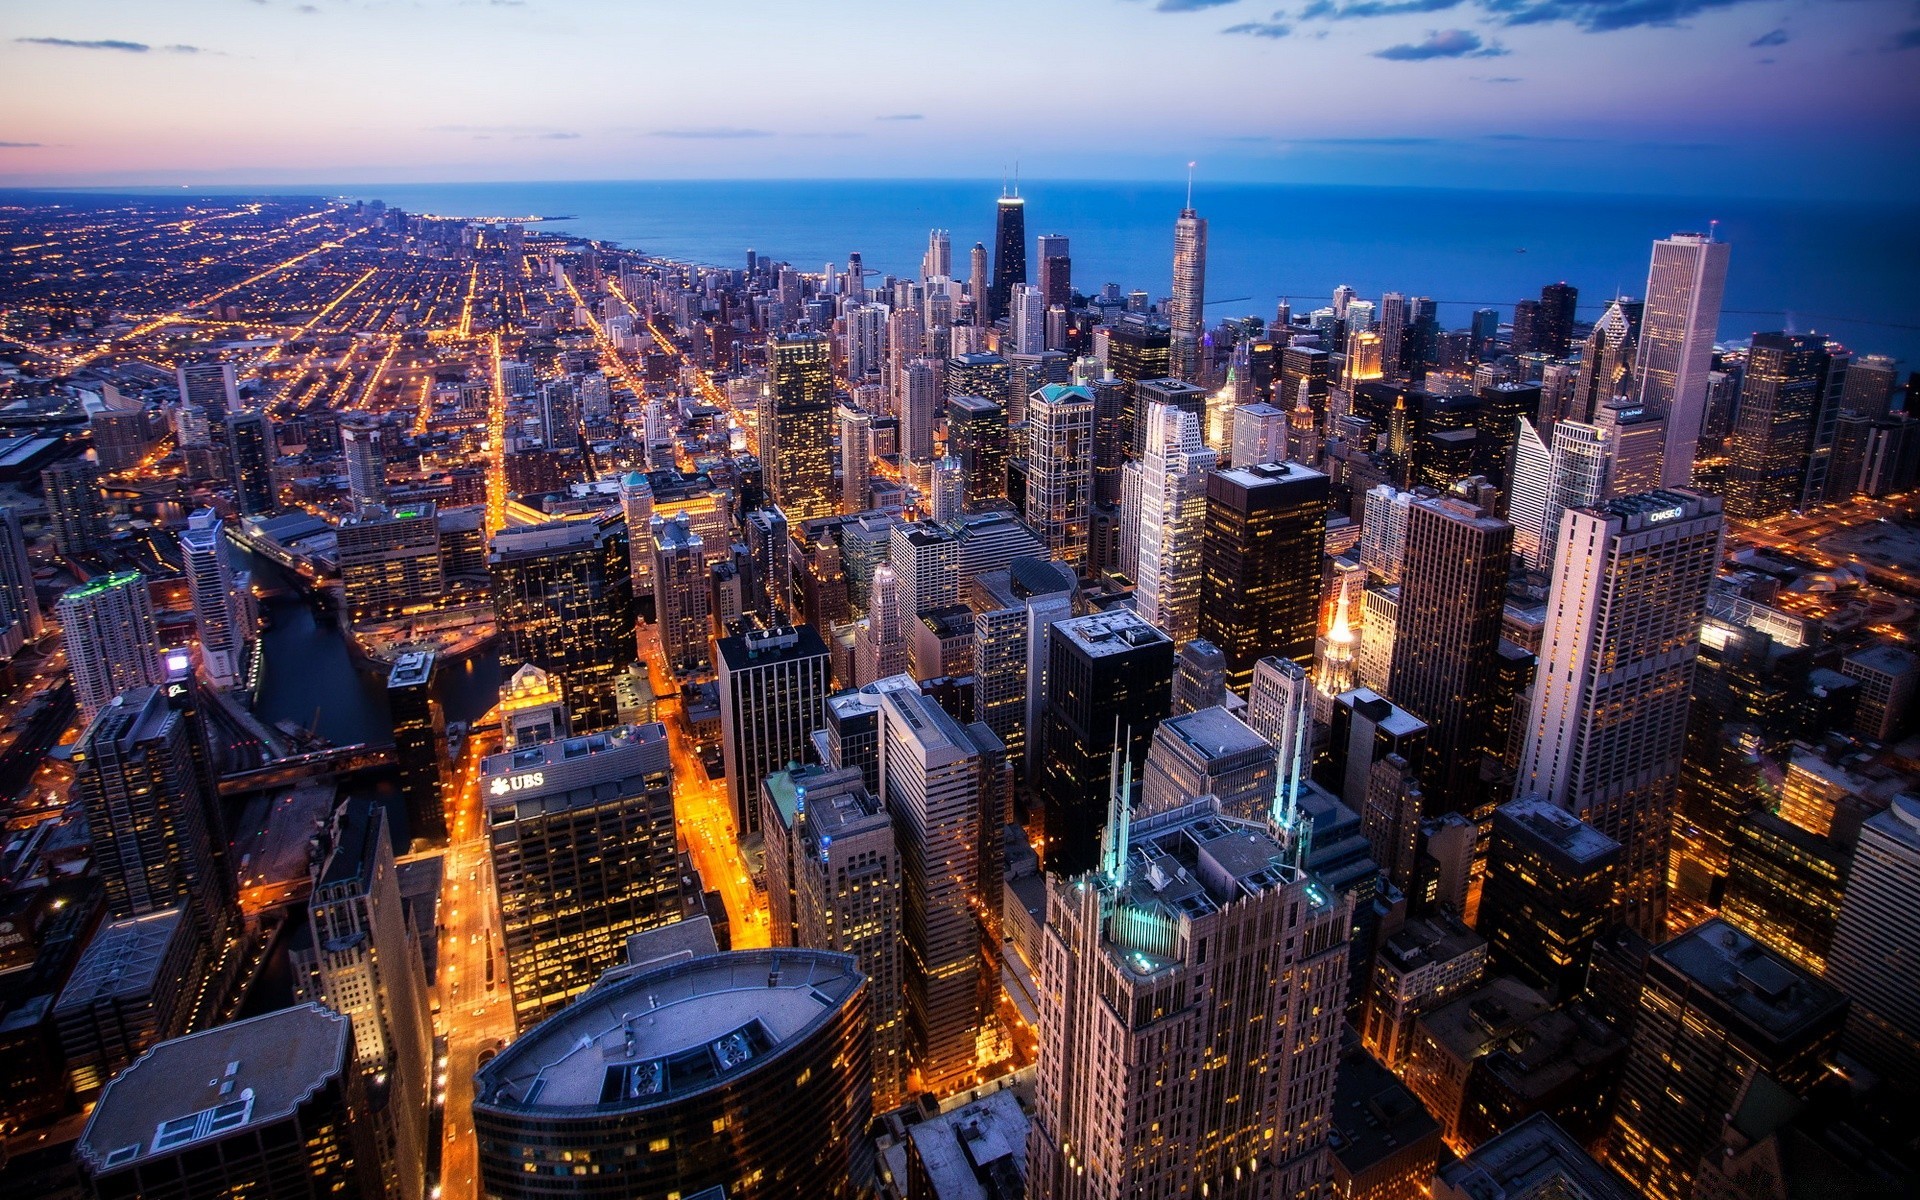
x: 1190, y: 187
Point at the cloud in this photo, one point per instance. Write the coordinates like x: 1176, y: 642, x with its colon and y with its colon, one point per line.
x: 1443, y: 43
x: 1178, y: 6
x: 547, y: 137
x: 1602, y: 16
x: 1774, y: 37
x: 21, y: 145
x: 901, y: 117
x: 1333, y: 10
x: 76, y: 44
x: 720, y: 132
x: 1261, y: 29
x: 1498, y: 79
x: 1907, y: 40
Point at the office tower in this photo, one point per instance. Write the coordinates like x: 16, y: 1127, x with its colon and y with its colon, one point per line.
x: 1199, y: 677
x: 1553, y: 322
x: 124, y: 995
x: 21, y: 622
x: 76, y: 511
x: 1209, y: 752
x: 366, y: 965
x: 1870, y: 384
x: 981, y: 374
x: 1550, y: 877
x: 250, y: 443
x: 1392, y: 328
x: 937, y: 262
x: 1453, y: 591
x: 221, y: 612
x: 977, y: 284
x: 140, y: 771
x: 949, y: 486
x: 1174, y: 393
x: 1374, y: 754
x: 362, y: 446
x: 1873, y: 954
x: 1528, y: 498
x: 269, y: 1106
x: 1384, y: 1143
x: 1682, y: 315
x: 977, y: 436
x: 1576, y: 478
x: 563, y: 596
x: 682, y: 596
x: 1137, y: 349
x: 1009, y: 253
x: 743, y: 1074
x: 1303, y: 430
x: 1060, y: 469
x: 1027, y: 319
x: 883, y: 639
x: 636, y: 505
x: 208, y: 386
x: 390, y: 561
x: 1526, y: 328
x: 856, y: 457
x: 798, y: 452
x: 1606, y: 362
x: 1424, y: 965
x: 112, y: 643
x: 773, y: 685
x: 866, y: 340
x: 1785, y: 878
x: 1173, y: 510
x: 919, y: 408
x: 1889, y: 678
x: 1383, y: 531
x: 934, y: 778
x: 1714, y: 1006
x: 1608, y: 723
x: 1109, y: 683
x: 830, y: 843
x: 1783, y: 437
x: 1187, y: 315
x: 1533, y: 1158
x: 1634, y: 441
x: 1214, y: 1045
x: 1052, y: 252
x: 1280, y: 709
x: 1259, y: 434
x: 1012, y: 611
x: 532, y: 709
x: 417, y: 730
x: 926, y: 558
x: 1303, y: 369
x: 1260, y: 562
x: 582, y: 840
x: 769, y: 558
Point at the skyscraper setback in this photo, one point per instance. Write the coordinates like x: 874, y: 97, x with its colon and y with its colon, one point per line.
x: 1009, y: 253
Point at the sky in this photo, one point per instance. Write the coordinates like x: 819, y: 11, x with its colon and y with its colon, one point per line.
x: 1790, y: 98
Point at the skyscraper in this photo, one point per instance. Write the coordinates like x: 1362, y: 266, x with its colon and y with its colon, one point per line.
x: 1182, y: 1053
x: 934, y: 776
x: 1187, y: 315
x: 366, y: 965
x: 20, y: 619
x: 1009, y: 253
x: 743, y: 1074
x: 1608, y: 723
x: 1715, y: 1007
x: 1872, y: 960
x: 1550, y: 877
x: 1109, y: 683
x: 418, y: 727
x: 937, y: 263
x: 919, y: 408
x: 76, y: 511
x: 1453, y: 590
x: 563, y: 595
x: 977, y: 283
x: 683, y: 597
x: 1260, y: 561
x: 1027, y: 318
x: 773, y: 689
x: 1056, y: 269
x: 112, y: 643
x: 1682, y: 316
x: 362, y: 445
x: 272, y: 1105
x: 1783, y: 436
x: 798, y: 454
x: 1553, y: 324
x: 221, y: 612
x: 1173, y: 509
x: 977, y: 436
x: 1059, y: 492
x: 583, y: 845
x: 390, y: 561
x: 250, y: 443
x: 1012, y: 611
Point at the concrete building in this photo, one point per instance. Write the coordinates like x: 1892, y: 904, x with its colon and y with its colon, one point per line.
x: 1208, y: 752
x: 773, y: 688
x: 112, y: 643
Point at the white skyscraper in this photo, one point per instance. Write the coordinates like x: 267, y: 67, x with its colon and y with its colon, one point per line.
x: 1608, y: 722
x: 1876, y: 947
x: 1027, y: 318
x: 882, y: 647
x: 937, y: 263
x: 1173, y: 511
x: 1684, y: 286
x: 1280, y: 709
x: 1577, y: 476
x: 866, y: 340
x: 1187, y: 315
x: 112, y: 643
x: 1527, y: 501
x: 1383, y: 531
x: 220, y: 608
x: 949, y: 497
x: 1259, y: 434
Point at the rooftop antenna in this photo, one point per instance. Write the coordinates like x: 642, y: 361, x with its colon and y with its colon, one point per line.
x: 1016, y: 179
x: 1713, y: 228
x: 1189, y: 187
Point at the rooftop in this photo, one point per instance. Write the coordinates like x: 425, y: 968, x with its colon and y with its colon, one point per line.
x: 1764, y: 989
x: 985, y: 1137
x: 1393, y: 719
x: 1374, y: 1116
x: 209, y: 1085
x: 124, y: 959
x: 1213, y: 733
x: 1259, y: 475
x: 412, y: 668
x: 1534, y: 1158
x: 669, y: 1032
x: 762, y: 647
x: 1555, y: 825
x: 1114, y: 631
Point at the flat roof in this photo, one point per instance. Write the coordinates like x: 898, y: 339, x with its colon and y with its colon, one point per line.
x: 1550, y: 823
x: 207, y: 1086
x: 124, y: 959
x: 654, y: 1037
x: 1526, y: 1160
x: 1763, y: 988
x: 985, y: 1136
x: 1215, y: 733
x: 1114, y: 631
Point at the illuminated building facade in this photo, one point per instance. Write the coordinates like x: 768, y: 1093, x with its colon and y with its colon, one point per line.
x: 1009, y: 254
x: 798, y: 453
x: 107, y: 626
x: 1550, y: 878
x: 563, y: 597
x: 1681, y: 317
x: 390, y: 561
x: 1260, y: 564
x: 773, y: 690
x: 1187, y: 316
x: 1059, y: 490
x: 417, y: 729
x: 582, y: 839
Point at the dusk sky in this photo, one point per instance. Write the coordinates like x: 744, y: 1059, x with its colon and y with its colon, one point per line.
x: 1761, y: 97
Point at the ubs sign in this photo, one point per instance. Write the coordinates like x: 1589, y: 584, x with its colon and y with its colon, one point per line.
x: 525, y: 781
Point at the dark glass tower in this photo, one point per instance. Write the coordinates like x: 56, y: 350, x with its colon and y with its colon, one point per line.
x: 563, y: 593
x: 796, y: 433
x: 1553, y: 323
x: 1009, y: 253
x: 977, y: 436
x: 250, y: 440
x: 416, y: 742
x: 1260, y: 565
x: 1783, y: 436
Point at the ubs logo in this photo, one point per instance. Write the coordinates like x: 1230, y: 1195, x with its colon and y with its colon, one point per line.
x: 507, y: 784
